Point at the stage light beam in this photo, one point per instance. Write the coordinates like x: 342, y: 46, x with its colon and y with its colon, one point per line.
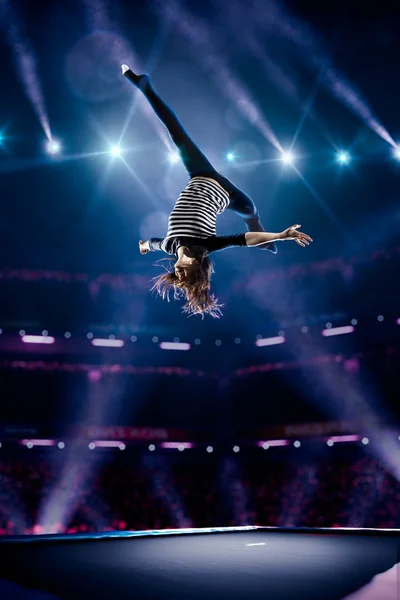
x: 396, y: 153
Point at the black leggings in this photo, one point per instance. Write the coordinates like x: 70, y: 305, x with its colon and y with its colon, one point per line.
x: 196, y: 163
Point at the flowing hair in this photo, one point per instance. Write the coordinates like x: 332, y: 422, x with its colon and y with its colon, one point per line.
x: 195, y: 288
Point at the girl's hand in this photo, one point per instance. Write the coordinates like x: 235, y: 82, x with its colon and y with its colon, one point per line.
x: 291, y: 233
x: 144, y: 247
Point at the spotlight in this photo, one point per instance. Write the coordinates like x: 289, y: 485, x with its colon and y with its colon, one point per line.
x: 287, y: 158
x: 236, y: 448
x: 209, y: 449
x: 230, y: 156
x: 116, y: 151
x: 396, y: 153
x: 343, y: 157
x: 61, y: 445
x: 53, y: 147
x: 174, y: 158
x: 365, y: 441
x: 152, y: 447
x: 330, y: 442
x: 297, y: 444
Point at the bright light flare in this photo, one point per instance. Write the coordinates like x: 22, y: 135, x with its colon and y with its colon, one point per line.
x: 53, y: 147
x: 396, y: 153
x: 230, y: 156
x: 116, y: 151
x: 343, y: 158
x: 173, y: 158
x: 287, y: 158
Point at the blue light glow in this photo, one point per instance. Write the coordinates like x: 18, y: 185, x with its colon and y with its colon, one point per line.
x: 53, y: 147
x: 287, y: 158
x: 173, y: 158
x: 116, y: 151
x: 343, y: 157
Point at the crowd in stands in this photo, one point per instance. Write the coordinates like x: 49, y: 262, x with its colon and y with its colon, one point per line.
x: 160, y: 492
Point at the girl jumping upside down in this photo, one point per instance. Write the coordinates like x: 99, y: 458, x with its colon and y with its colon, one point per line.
x: 191, y: 235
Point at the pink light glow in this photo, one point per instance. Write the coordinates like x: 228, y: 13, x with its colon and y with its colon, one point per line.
x: 174, y: 346
x: 107, y: 444
x: 177, y: 445
x: 398, y: 321
x: 38, y: 442
x: 107, y: 343
x: 272, y: 341
x: 94, y: 375
x: 338, y: 330
x: 37, y: 339
x: 272, y: 443
x: 344, y: 438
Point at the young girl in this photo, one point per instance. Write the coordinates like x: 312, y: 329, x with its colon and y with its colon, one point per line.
x: 191, y: 235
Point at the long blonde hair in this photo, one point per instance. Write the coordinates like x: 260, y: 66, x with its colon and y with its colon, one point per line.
x: 195, y: 288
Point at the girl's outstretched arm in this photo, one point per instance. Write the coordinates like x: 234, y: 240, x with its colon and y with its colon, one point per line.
x: 258, y: 238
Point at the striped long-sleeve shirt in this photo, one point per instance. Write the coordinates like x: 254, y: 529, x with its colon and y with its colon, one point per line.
x: 194, y: 217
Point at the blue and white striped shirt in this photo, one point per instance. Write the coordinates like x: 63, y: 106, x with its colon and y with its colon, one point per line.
x: 195, y: 216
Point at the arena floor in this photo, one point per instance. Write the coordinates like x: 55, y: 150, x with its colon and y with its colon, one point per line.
x: 235, y: 563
